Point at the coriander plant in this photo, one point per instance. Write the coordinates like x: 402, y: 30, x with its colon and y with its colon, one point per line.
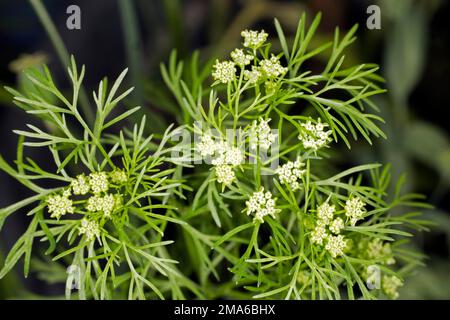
x: 241, y: 200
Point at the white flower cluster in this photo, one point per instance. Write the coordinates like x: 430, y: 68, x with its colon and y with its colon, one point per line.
x: 319, y: 235
x: 267, y: 69
x: 390, y: 285
x: 226, y: 154
x: 98, y: 181
x: 80, y: 185
x: 59, y: 205
x: 252, y: 76
x: 335, y: 245
x: 225, y: 174
x: 261, y: 204
x: 207, y: 146
x: 105, y: 204
x: 327, y: 230
x: 271, y: 68
x: 325, y: 213
x: 224, y: 71
x: 225, y: 157
x: 241, y: 58
x: 316, y: 136
x: 90, y: 228
x: 337, y: 225
x: 290, y: 173
x: 254, y: 39
x: 261, y: 135
x: 96, y: 185
x: 354, y: 209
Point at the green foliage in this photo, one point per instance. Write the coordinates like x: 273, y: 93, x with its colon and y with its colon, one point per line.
x: 130, y: 254
x: 138, y: 223
x: 269, y: 259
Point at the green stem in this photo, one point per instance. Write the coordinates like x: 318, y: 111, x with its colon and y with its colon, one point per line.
x: 61, y: 50
x: 132, y: 45
x: 237, y: 100
x: 174, y: 19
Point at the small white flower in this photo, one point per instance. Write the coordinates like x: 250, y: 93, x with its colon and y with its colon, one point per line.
x: 98, y: 182
x: 90, y: 229
x: 316, y: 137
x: 261, y: 134
x: 225, y: 174
x: 80, y: 185
x: 271, y: 68
x: 290, y: 173
x: 261, y: 204
x: 337, y: 225
x: 318, y: 235
x: 325, y: 213
x: 252, y: 76
x: 390, y: 285
x: 354, y: 209
x: 335, y: 245
x: 59, y: 205
x: 224, y: 71
x: 254, y: 39
x: 241, y: 58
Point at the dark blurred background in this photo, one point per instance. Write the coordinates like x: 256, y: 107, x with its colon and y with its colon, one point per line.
x: 412, y: 47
